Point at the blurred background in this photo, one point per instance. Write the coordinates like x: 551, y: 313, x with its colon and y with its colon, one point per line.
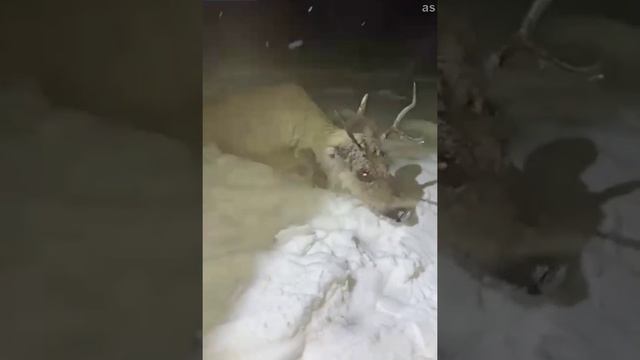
x: 100, y: 124
x: 134, y: 61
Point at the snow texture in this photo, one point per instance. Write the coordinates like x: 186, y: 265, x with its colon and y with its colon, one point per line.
x: 346, y: 284
x: 483, y: 323
x: 72, y: 184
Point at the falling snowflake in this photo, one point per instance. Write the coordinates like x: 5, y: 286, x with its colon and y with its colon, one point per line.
x: 295, y: 44
x: 266, y: 43
x: 363, y: 23
x: 220, y: 14
x: 310, y: 8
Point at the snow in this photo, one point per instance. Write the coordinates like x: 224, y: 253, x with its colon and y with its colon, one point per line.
x: 30, y: 124
x: 295, y: 44
x: 482, y: 323
x: 342, y: 284
x: 72, y: 185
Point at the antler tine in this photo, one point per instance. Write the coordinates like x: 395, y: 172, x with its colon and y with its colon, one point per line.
x: 363, y: 105
x: 400, y: 117
x: 523, y: 39
x: 407, y: 108
x: 544, y: 54
x: 349, y: 133
x: 532, y: 17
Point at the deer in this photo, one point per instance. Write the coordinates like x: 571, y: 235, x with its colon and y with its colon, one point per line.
x: 281, y: 126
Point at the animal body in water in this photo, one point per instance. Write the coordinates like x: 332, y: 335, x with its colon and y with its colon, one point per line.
x: 283, y: 127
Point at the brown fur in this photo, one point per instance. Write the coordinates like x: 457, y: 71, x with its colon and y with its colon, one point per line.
x: 282, y: 127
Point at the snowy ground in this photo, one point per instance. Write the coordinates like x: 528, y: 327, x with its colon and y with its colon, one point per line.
x: 298, y: 273
x: 79, y: 196
x: 484, y: 324
x: 344, y: 285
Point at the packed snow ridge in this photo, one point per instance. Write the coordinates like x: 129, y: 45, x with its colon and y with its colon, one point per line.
x: 346, y: 284
x: 79, y: 195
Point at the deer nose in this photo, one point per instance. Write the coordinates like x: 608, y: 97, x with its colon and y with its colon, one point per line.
x: 398, y: 214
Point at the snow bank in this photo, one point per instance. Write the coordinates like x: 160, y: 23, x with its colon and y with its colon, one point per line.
x: 482, y: 323
x: 342, y: 284
x: 82, y: 154
x: 79, y: 195
x: 243, y: 208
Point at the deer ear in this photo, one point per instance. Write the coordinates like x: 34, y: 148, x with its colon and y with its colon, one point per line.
x: 349, y: 116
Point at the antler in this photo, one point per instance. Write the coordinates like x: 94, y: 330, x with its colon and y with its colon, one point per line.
x: 363, y: 105
x: 358, y: 117
x: 533, y: 15
x: 522, y: 40
x: 394, y: 127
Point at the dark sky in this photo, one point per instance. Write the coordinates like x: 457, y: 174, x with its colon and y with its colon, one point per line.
x: 247, y: 24
x: 387, y: 19
x: 399, y: 26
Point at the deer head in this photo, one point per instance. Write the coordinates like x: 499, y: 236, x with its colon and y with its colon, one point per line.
x: 361, y: 167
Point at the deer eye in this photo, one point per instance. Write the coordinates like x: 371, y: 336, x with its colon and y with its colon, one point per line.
x: 364, y: 175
